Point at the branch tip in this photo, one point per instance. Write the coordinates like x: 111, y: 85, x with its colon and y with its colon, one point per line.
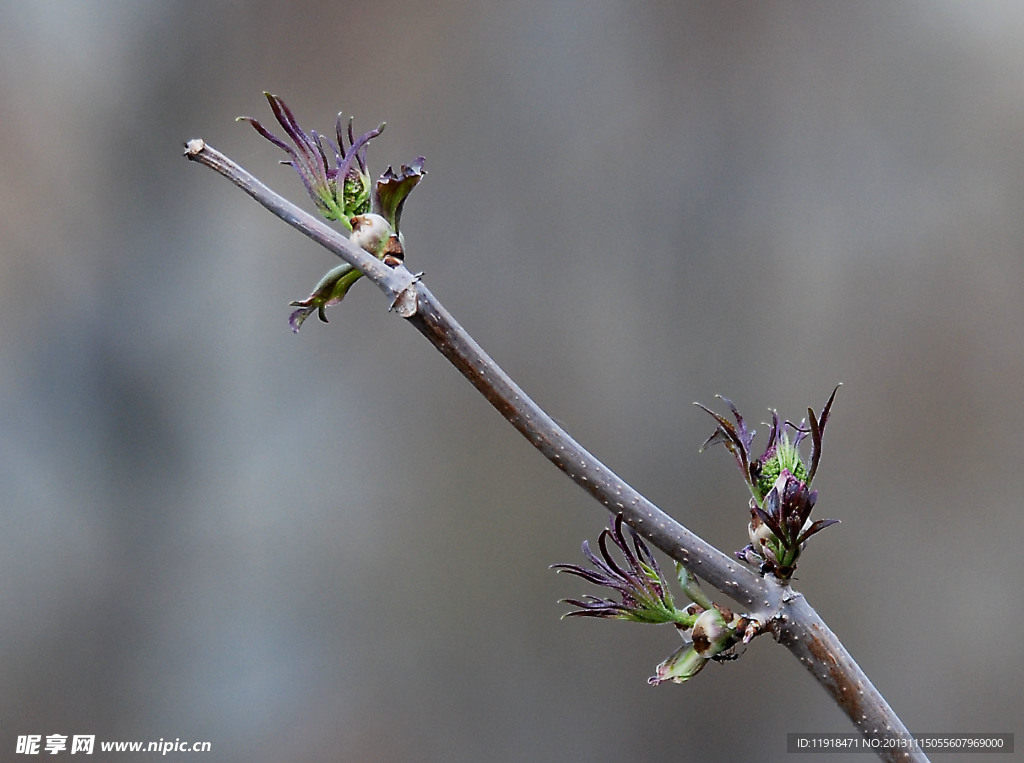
x: 193, y: 147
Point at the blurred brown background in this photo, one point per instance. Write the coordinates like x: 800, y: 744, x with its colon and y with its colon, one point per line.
x: 327, y: 547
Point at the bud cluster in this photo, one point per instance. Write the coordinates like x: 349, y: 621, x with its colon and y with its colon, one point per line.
x: 709, y: 632
x: 338, y: 182
x: 779, y: 481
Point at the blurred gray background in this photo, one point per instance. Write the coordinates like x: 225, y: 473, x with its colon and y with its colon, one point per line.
x: 327, y: 547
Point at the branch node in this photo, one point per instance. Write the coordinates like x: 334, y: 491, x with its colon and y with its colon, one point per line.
x: 405, y: 304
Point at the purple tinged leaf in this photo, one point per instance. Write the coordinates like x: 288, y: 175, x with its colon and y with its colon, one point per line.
x: 815, y: 443
x: 287, y: 119
x: 574, y: 569
x: 267, y: 134
x: 768, y: 519
x: 298, y: 317
x: 351, y: 133
x: 306, y: 151
x: 816, y: 527
x: 737, y: 439
x: 639, y: 582
x: 318, y: 143
x: 612, y: 564
x: 352, y: 154
x: 771, y: 506
x: 817, y: 432
x: 393, y: 188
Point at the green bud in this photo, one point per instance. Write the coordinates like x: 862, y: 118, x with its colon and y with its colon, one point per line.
x: 370, y: 232
x: 680, y: 666
x: 711, y: 634
x: 786, y: 457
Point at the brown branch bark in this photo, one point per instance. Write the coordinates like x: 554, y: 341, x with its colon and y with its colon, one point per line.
x: 784, y: 612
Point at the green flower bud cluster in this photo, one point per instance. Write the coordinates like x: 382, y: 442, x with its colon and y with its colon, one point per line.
x: 335, y: 176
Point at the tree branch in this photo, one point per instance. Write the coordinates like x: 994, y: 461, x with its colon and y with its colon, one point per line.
x: 783, y: 611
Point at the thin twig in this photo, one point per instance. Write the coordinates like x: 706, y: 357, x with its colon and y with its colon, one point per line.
x: 783, y: 611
